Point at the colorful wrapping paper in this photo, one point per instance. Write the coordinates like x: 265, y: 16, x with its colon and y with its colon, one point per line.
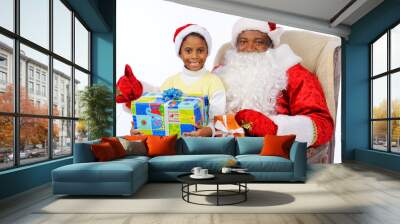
x: 154, y: 115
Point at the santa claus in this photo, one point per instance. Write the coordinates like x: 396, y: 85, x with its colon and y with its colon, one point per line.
x: 268, y: 89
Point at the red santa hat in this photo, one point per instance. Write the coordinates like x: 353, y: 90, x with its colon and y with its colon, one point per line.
x: 183, y: 31
x: 269, y: 28
x: 129, y: 87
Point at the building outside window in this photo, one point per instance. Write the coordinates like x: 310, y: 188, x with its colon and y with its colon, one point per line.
x: 385, y: 97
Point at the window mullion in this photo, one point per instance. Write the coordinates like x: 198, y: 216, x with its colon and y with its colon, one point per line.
x: 50, y: 87
x: 16, y: 84
x: 73, y: 82
x: 389, y: 106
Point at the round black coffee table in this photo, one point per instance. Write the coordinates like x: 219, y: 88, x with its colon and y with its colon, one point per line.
x: 238, y: 179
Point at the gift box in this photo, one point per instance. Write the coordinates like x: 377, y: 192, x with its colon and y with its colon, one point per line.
x: 154, y: 114
x: 226, y: 125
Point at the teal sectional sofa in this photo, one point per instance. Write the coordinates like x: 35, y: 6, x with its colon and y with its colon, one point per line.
x: 125, y: 176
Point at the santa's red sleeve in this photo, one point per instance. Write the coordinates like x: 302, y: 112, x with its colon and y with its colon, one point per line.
x: 303, y: 110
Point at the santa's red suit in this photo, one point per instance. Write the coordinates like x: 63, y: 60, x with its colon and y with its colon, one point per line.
x: 271, y: 93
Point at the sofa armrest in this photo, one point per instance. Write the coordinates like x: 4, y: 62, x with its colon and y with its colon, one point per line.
x: 83, y: 152
x: 299, y: 158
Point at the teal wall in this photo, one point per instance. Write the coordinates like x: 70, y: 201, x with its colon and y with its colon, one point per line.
x: 103, y: 65
x: 24, y: 178
x: 355, y: 97
x: 99, y: 16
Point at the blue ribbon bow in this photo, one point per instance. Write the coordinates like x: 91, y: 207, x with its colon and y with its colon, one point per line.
x: 172, y: 94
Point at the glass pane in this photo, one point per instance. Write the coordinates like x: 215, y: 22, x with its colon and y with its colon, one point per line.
x: 62, y: 141
x: 395, y: 95
x: 81, y: 45
x: 35, y: 21
x: 81, y: 81
x: 6, y: 142
x: 379, y: 135
x: 33, y: 139
x: 6, y: 74
x: 7, y: 14
x: 62, y: 89
x: 379, y: 55
x: 395, y: 129
x: 62, y: 29
x: 395, y: 47
x: 81, y: 131
x: 34, y: 81
x: 379, y: 97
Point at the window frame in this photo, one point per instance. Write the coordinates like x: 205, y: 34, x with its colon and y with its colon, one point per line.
x: 16, y: 114
x: 389, y: 73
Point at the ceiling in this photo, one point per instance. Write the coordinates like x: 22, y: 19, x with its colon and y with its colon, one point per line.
x: 326, y: 16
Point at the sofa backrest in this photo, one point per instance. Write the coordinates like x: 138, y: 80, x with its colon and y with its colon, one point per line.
x: 249, y: 145
x: 83, y: 152
x: 197, y: 145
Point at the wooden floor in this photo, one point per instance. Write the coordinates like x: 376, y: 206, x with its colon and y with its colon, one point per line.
x: 377, y: 188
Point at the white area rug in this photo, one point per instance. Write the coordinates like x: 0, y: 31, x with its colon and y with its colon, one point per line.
x: 166, y: 198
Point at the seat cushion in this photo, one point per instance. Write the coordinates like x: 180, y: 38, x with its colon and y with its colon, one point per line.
x: 111, y: 171
x: 185, y: 163
x: 257, y: 163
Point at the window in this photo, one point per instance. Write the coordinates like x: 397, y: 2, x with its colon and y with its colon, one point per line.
x: 385, y: 97
x: 38, y: 89
x: 3, y: 61
x: 3, y: 71
x: 7, y: 14
x: 37, y: 75
x: 43, y: 90
x: 34, y: 21
x: 30, y: 72
x: 30, y: 87
x: 81, y: 45
x: 54, y: 125
x: 3, y: 78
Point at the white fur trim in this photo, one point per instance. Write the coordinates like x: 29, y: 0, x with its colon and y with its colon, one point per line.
x: 252, y: 81
x: 284, y: 56
x: 300, y: 125
x: 244, y: 24
x: 192, y: 29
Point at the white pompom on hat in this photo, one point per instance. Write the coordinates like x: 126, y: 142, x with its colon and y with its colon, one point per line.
x: 269, y: 28
x: 185, y: 30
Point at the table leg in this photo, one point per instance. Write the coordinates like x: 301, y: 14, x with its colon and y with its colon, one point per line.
x: 196, y: 188
x: 217, y: 194
x: 245, y: 193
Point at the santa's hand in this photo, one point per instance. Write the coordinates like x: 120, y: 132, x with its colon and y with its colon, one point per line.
x: 256, y: 123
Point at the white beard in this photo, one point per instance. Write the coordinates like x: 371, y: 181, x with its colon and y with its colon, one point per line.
x: 252, y: 81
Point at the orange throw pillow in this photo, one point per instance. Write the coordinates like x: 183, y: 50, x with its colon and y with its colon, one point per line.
x: 103, y: 151
x: 277, y: 145
x: 161, y: 145
x: 116, y: 145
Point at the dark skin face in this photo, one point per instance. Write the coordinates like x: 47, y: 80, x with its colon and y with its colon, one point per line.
x: 252, y: 41
x: 193, y: 52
